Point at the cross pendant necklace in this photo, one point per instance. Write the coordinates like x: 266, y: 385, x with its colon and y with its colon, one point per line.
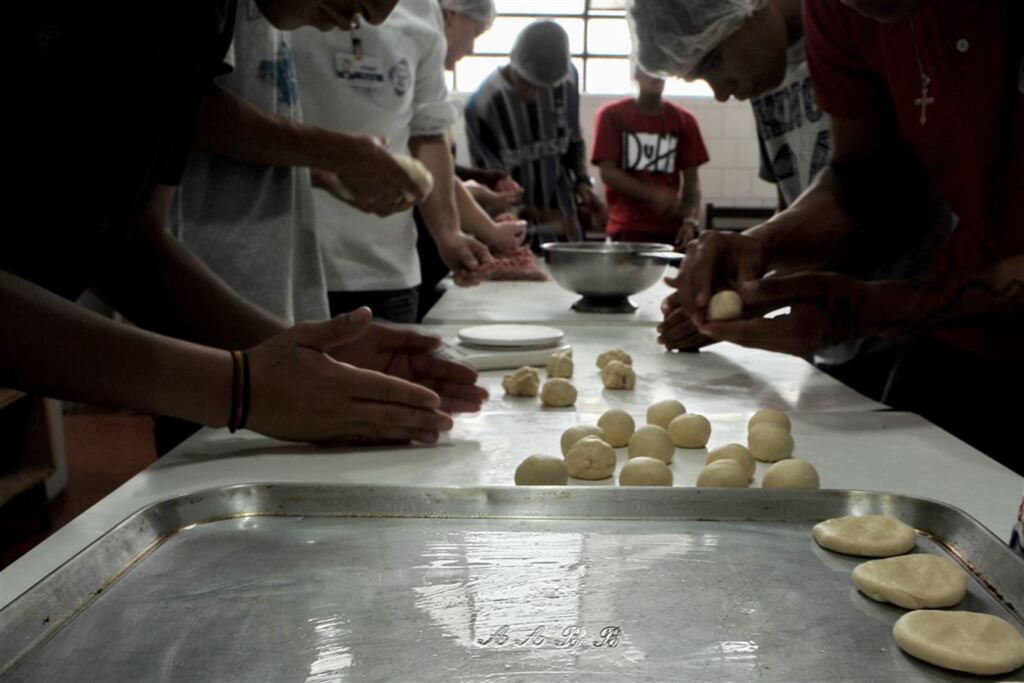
x: 924, y: 100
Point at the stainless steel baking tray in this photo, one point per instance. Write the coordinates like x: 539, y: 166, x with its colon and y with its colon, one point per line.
x: 325, y: 583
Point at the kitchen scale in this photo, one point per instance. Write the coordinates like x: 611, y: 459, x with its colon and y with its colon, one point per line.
x: 500, y: 347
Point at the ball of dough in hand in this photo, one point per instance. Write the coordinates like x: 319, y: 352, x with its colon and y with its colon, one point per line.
x: 962, y: 641
x: 734, y: 451
x: 769, y: 443
x: 769, y: 416
x: 574, y: 434
x: 645, y: 472
x: 560, y: 364
x: 791, y: 474
x: 690, y: 431
x: 723, y: 474
x: 663, y: 412
x: 523, y: 382
x: 558, y: 393
x: 417, y: 171
x: 912, y: 581
x: 617, y: 375
x: 725, y: 305
x: 590, y: 458
x: 618, y: 426
x: 651, y: 441
x: 614, y: 354
x: 542, y: 470
x: 865, y: 535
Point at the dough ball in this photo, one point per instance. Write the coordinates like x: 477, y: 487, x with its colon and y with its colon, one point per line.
x: 523, y: 382
x: 558, y: 393
x: 865, y: 535
x: 663, y: 412
x: 690, y: 431
x: 560, y: 364
x: 574, y: 434
x: 791, y: 474
x: 769, y: 416
x: 645, y: 472
x: 769, y: 443
x: 417, y: 171
x: 726, y: 474
x: 590, y: 458
x: 542, y: 470
x: 734, y: 451
x: 912, y: 581
x: 725, y: 305
x: 614, y: 354
x: 651, y: 441
x: 618, y: 427
x: 617, y: 375
x: 962, y: 641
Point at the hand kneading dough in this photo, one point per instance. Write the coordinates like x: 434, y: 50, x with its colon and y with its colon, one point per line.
x: 523, y: 382
x: 617, y: 375
x: 645, y: 472
x: 653, y: 442
x: 791, y: 474
x: 558, y: 393
x: 542, y: 470
x: 865, y: 535
x: 574, y: 434
x: 962, y: 641
x: 690, y: 431
x: 560, y: 364
x: 770, y: 443
x: 723, y: 474
x: 769, y: 416
x: 614, y: 354
x: 912, y: 581
x: 618, y: 427
x: 591, y: 458
x: 419, y: 173
x: 725, y: 305
x: 663, y: 412
x: 734, y: 451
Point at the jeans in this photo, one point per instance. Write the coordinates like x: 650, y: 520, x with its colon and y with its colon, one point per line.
x: 394, y: 305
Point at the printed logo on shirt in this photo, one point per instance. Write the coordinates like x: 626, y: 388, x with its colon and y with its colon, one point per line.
x: 780, y: 112
x: 651, y: 152
x: 401, y: 77
x: 281, y: 73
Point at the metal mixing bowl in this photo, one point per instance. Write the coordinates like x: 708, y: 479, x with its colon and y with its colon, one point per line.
x: 606, y: 273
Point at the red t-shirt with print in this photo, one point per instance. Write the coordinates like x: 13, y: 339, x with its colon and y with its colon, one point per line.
x: 654, y: 149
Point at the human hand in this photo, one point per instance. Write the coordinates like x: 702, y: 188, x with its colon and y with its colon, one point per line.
x: 715, y: 260
x: 505, y: 236
x: 467, y: 258
x: 300, y: 393
x: 361, y: 172
x: 687, y: 233
x: 506, y: 184
x: 677, y: 331
x: 825, y: 309
x: 495, y: 201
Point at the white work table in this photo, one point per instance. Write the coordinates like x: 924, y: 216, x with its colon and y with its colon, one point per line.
x: 853, y: 445
x: 535, y: 302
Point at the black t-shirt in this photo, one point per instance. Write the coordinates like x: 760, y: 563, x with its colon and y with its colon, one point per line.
x: 108, y: 101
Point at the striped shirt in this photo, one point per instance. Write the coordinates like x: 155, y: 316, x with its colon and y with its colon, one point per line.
x: 529, y: 140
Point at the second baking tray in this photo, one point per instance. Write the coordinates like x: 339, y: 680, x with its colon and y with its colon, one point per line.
x: 307, y: 583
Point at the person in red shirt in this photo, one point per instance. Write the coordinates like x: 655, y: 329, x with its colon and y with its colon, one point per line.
x: 946, y: 78
x: 648, y: 151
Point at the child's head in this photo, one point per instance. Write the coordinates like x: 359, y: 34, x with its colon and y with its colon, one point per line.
x: 737, y: 46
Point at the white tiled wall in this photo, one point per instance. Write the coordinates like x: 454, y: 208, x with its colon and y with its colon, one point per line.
x: 730, y: 177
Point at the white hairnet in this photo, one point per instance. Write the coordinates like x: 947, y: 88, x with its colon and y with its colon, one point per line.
x: 671, y: 37
x: 480, y: 11
x: 541, y: 53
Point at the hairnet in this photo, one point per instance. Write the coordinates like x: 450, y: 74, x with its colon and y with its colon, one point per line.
x: 541, y: 53
x: 480, y: 11
x: 671, y: 37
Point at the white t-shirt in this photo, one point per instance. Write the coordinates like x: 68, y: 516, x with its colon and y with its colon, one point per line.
x: 406, y: 97
x: 793, y: 133
x: 253, y: 225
